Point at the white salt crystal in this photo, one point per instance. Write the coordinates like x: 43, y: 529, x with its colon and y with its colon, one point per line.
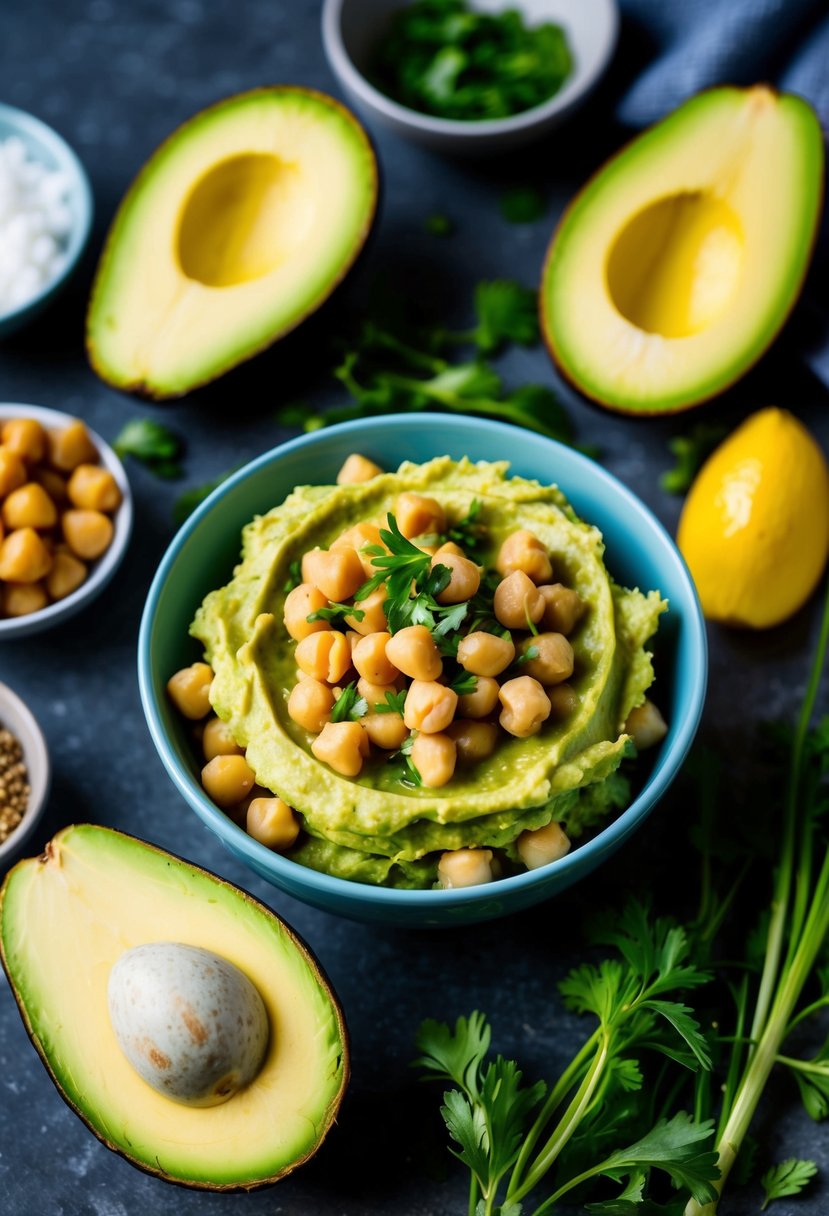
x: 34, y: 223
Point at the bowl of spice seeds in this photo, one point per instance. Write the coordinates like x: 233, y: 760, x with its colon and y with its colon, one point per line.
x: 24, y: 773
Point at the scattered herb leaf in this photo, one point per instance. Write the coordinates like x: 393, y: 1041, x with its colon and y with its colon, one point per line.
x: 349, y: 705
x: 294, y: 575
x: 690, y: 451
x: 787, y: 1178
x: 438, y: 225
x: 394, y: 704
x: 464, y: 683
x: 335, y: 612
x: 522, y: 204
x: 152, y: 444
x: 187, y: 501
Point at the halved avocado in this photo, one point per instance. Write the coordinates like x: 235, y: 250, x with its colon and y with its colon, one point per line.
x: 68, y: 916
x: 239, y: 226
x: 675, y: 267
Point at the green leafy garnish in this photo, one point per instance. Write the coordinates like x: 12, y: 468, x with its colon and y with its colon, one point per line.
x: 394, y: 703
x: 527, y: 656
x: 787, y: 1178
x: 464, y: 683
x: 507, y: 312
x: 438, y: 225
x: 442, y: 57
x: 410, y: 775
x: 690, y: 452
x: 335, y: 612
x: 349, y: 705
x: 152, y: 444
x: 522, y: 204
x: 294, y: 575
x: 187, y: 501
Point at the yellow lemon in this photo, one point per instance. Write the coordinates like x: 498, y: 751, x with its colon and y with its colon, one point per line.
x: 755, y: 526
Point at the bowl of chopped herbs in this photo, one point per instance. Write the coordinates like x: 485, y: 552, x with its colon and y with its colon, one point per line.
x: 468, y: 76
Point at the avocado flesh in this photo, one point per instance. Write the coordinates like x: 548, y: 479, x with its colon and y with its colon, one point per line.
x: 66, y: 917
x: 674, y: 268
x: 238, y: 227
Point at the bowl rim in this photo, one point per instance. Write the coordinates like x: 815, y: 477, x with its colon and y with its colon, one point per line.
x: 36, y: 757
x: 344, y: 890
x: 345, y: 68
x: 106, y: 565
x: 65, y: 154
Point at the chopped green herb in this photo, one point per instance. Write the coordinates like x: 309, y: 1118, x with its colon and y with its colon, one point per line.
x: 152, y: 444
x: 464, y: 683
x: 531, y: 625
x: 522, y: 204
x: 443, y: 57
x: 787, y: 1178
x: 187, y: 502
x: 349, y: 705
x: 335, y: 612
x: 468, y: 532
x: 411, y: 775
x: 691, y: 451
x: 507, y: 312
x: 438, y: 225
x: 394, y: 704
x: 527, y: 656
x: 294, y: 575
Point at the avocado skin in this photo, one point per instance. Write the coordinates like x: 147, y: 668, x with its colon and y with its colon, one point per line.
x: 147, y: 392
x: 298, y: 943
x: 590, y: 397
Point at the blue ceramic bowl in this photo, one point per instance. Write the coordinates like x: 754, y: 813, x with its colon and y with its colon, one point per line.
x: 45, y: 145
x: 203, y: 554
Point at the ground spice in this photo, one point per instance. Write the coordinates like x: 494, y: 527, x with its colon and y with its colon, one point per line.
x: 14, y: 783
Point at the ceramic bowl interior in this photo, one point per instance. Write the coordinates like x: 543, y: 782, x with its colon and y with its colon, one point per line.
x: 16, y: 717
x: 202, y: 556
x: 102, y: 570
x: 45, y: 145
x: 351, y: 29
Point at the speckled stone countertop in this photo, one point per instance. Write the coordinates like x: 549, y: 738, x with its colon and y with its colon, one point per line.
x: 115, y: 78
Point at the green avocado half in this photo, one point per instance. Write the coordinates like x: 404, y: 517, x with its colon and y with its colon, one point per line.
x: 68, y: 916
x: 674, y: 268
x: 239, y: 225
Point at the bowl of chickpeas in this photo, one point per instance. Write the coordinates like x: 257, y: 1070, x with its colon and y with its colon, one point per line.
x: 65, y: 517
x: 415, y: 709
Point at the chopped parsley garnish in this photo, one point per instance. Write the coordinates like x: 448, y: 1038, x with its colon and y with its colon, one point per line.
x: 522, y: 204
x: 438, y: 225
x: 152, y: 444
x: 349, y: 705
x: 464, y: 683
x: 691, y: 451
x: 294, y: 575
x: 411, y: 776
x: 529, y: 654
x: 335, y: 612
x: 394, y: 703
x: 787, y: 1178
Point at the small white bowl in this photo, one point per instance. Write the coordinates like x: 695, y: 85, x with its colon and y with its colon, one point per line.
x: 103, y: 569
x: 351, y: 29
x: 19, y: 719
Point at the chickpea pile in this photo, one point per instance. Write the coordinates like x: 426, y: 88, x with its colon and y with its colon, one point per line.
x: 56, y: 503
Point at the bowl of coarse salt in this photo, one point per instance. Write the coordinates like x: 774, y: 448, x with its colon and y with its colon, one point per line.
x: 45, y: 215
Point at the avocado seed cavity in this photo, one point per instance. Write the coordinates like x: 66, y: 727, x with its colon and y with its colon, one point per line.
x: 189, y: 1022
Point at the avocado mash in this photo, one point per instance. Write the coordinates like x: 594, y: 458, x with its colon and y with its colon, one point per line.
x: 378, y: 826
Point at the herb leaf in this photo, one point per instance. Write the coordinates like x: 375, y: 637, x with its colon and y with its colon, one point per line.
x: 152, y: 444
x: 335, y: 612
x: 690, y: 452
x: 187, y: 501
x: 464, y: 683
x: 394, y: 704
x: 522, y: 204
x: 787, y: 1178
x: 672, y: 1145
x: 349, y: 706
x: 506, y: 312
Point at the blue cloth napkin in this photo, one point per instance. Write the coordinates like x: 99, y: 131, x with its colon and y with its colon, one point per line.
x: 700, y: 43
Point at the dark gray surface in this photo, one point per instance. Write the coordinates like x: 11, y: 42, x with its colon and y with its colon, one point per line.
x: 115, y: 78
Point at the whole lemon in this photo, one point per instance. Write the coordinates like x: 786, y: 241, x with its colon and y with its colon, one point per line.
x: 755, y: 526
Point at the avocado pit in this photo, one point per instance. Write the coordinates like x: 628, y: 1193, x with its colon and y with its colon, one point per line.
x: 191, y: 1024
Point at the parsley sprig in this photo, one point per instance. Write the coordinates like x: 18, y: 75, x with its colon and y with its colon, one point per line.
x: 335, y: 612
x: 349, y: 705
x: 394, y: 703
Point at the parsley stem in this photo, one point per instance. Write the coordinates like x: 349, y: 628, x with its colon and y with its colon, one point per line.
x: 807, y: 1012
x: 473, y: 1194
x: 470, y: 405
x: 805, y: 1066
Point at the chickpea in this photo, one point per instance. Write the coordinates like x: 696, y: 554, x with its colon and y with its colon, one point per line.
x: 189, y: 690
x: 434, y: 756
x: 66, y: 575
x: 337, y: 572
x: 26, y: 438
x: 357, y: 469
x: 20, y: 599
x: 88, y: 533
x: 522, y: 550
x: 485, y: 654
x: 482, y: 701
x: 217, y: 740
x: 272, y: 822
x: 474, y: 740
x: 310, y: 704
x: 563, y: 701
x: 646, y: 726
x: 413, y: 651
x: 465, y: 868
x: 300, y: 603
x: 429, y: 707
x: 385, y: 730
x: 357, y: 538
x: 371, y: 660
x: 372, y: 607
x: 227, y: 779
x: 554, y: 661
x: 563, y: 608
x: 325, y: 656
x: 93, y: 488
x: 464, y: 578
x: 70, y: 447
x: 29, y: 506
x: 416, y: 515
x: 342, y: 746
x: 517, y: 600
x: 24, y: 558
x: 375, y: 694
x: 52, y: 482
x: 543, y: 845
x: 525, y: 706
x: 12, y: 471
x: 449, y: 547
